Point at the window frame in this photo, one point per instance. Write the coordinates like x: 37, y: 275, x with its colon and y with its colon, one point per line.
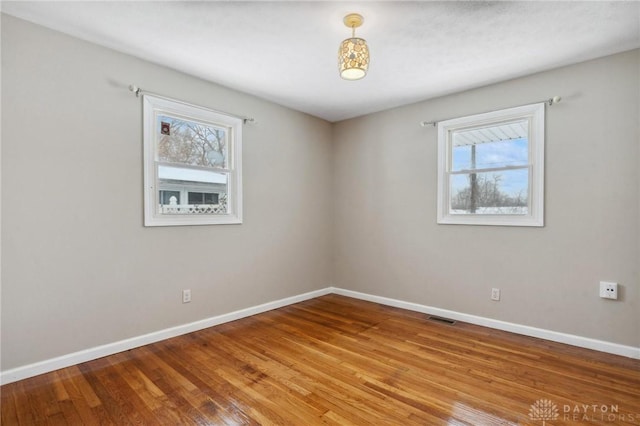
x: 535, y: 114
x: 153, y: 106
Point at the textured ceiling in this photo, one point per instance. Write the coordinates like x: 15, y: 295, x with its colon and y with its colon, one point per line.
x: 286, y: 52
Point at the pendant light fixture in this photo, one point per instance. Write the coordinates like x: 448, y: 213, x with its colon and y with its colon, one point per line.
x: 353, y: 54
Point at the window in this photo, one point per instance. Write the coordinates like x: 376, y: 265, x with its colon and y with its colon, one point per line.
x: 165, y: 197
x: 491, y: 168
x: 192, y: 165
x: 203, y: 198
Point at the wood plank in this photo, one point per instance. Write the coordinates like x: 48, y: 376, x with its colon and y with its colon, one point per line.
x: 337, y: 361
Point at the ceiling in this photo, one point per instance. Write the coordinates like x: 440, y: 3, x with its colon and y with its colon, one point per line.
x: 286, y: 52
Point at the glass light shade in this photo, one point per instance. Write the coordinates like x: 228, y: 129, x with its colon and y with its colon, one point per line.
x: 353, y: 58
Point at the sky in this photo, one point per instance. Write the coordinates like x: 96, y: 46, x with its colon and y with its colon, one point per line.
x: 495, y: 154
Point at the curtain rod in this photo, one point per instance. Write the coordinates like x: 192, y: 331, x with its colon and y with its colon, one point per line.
x: 138, y: 90
x: 550, y: 102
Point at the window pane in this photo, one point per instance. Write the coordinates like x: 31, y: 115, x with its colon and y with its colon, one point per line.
x: 165, y: 197
x: 500, y: 145
x: 202, y: 198
x: 503, y: 192
x: 211, y: 198
x: 196, y: 198
x: 189, y: 142
x: 206, y: 190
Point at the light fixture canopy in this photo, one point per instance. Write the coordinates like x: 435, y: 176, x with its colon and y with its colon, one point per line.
x: 353, y: 53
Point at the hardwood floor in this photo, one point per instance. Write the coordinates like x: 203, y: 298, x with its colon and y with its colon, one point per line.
x: 340, y: 361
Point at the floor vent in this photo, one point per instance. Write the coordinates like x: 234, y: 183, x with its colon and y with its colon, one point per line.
x: 441, y: 320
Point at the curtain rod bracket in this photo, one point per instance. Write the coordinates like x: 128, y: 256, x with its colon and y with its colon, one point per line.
x: 135, y: 89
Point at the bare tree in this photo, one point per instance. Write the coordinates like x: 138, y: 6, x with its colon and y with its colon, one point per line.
x: 484, y: 191
x: 193, y: 143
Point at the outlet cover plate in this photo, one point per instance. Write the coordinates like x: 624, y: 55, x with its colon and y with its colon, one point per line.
x: 608, y: 290
x: 495, y: 294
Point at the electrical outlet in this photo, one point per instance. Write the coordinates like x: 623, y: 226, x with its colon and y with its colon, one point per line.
x: 186, y: 296
x: 495, y: 294
x: 608, y: 290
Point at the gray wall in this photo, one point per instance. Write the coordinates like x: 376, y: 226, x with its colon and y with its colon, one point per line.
x: 387, y: 241
x: 79, y: 269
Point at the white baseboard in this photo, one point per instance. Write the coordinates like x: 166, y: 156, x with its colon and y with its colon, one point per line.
x: 46, y: 366
x: 554, y: 336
